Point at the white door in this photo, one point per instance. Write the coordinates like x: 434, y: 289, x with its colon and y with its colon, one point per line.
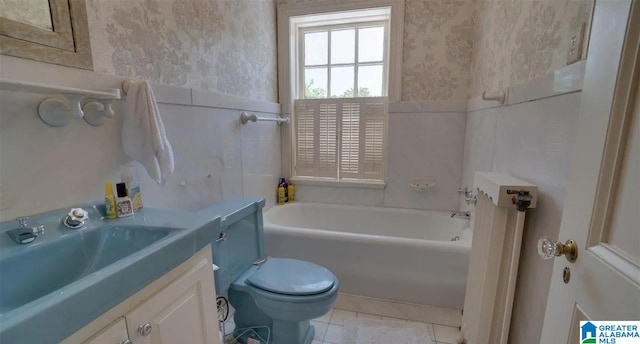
x: 602, y: 211
x: 183, y: 312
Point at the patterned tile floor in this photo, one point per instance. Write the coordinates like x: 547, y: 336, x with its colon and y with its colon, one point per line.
x: 329, y: 327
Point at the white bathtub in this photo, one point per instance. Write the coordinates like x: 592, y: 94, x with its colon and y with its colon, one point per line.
x: 388, y: 253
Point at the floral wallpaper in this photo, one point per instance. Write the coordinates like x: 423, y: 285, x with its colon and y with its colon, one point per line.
x: 453, y: 49
x: 519, y: 40
x: 437, y: 52
x: 33, y: 12
x: 224, y: 45
x: 437, y: 49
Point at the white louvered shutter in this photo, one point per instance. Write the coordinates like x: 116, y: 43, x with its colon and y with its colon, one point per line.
x: 350, y: 141
x: 340, y: 138
x: 305, y: 139
x: 373, y: 157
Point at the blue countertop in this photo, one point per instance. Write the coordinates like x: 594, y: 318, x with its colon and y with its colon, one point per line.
x: 57, y: 315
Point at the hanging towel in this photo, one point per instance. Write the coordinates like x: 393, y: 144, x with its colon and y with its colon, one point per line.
x: 143, y: 135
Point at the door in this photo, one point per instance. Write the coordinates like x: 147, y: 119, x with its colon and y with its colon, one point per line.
x: 602, y: 211
x: 183, y: 312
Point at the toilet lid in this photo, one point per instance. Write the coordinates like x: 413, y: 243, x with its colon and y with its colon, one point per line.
x: 292, y: 277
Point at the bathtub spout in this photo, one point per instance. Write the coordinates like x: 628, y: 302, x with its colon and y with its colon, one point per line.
x: 461, y: 215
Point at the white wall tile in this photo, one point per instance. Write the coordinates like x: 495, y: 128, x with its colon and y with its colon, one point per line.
x: 531, y: 141
x: 261, y: 164
x: 424, y: 145
x: 339, y: 195
x: 44, y: 168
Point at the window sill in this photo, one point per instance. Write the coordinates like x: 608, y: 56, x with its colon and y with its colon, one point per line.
x: 351, y: 183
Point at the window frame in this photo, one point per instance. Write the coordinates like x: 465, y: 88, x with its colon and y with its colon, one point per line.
x: 291, y: 17
x: 300, y: 57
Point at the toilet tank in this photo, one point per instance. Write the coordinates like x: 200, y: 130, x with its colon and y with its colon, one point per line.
x: 240, y: 241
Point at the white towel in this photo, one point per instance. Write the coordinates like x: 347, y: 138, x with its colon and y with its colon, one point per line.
x: 143, y: 135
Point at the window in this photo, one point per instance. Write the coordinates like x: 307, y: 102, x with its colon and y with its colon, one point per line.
x: 343, y: 61
x: 340, y: 102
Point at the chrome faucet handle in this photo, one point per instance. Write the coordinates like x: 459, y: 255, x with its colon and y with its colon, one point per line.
x: 471, y: 199
x: 38, y: 229
x: 463, y: 191
x: 22, y: 221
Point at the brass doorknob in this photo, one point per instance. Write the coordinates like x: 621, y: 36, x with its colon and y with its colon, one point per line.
x: 547, y: 249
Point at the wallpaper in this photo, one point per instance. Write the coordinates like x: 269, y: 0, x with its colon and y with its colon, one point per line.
x: 33, y: 12
x: 228, y: 46
x: 519, y: 40
x: 437, y: 48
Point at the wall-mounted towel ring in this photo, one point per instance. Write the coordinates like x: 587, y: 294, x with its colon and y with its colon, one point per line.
x: 500, y: 97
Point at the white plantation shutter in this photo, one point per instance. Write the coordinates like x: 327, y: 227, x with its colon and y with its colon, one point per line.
x: 340, y: 138
x: 350, y: 141
x: 305, y: 139
x: 374, y: 140
x: 327, y: 164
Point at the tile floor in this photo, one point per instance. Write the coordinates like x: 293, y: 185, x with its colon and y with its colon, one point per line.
x: 329, y: 327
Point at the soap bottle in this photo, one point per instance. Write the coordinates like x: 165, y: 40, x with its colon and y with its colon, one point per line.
x: 291, y: 194
x: 281, y: 198
x: 285, y: 185
x: 123, y: 202
x: 109, y: 201
x: 129, y: 176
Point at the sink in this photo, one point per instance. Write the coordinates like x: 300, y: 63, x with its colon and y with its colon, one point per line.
x: 43, y: 268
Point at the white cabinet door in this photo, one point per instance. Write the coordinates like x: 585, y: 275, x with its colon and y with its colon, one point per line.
x: 183, y: 312
x: 116, y: 333
x: 602, y: 211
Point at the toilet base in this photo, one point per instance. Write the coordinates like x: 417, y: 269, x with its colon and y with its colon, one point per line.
x: 248, y: 314
x: 292, y: 332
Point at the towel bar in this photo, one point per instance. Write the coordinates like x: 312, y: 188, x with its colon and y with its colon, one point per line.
x: 246, y: 117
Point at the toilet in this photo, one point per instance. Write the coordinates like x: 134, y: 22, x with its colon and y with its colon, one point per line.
x: 282, y: 294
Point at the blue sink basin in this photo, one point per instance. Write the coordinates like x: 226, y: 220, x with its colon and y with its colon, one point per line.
x: 27, y: 275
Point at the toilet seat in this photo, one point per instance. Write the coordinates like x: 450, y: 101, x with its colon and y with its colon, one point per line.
x: 293, y: 277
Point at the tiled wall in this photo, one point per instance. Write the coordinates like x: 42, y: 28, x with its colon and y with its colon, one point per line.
x: 422, y: 143
x: 531, y: 141
x: 44, y: 168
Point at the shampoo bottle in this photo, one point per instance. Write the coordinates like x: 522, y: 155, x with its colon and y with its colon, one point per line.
x: 123, y: 203
x: 109, y: 201
x: 285, y: 185
x: 281, y: 194
x: 291, y: 195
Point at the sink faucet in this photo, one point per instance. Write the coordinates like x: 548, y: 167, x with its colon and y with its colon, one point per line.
x: 461, y: 215
x: 25, y: 234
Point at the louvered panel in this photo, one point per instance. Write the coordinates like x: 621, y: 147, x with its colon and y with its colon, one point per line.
x: 374, y: 118
x: 327, y: 164
x: 305, y: 139
x: 350, y: 141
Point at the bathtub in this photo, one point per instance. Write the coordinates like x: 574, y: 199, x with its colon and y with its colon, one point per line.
x: 387, y: 253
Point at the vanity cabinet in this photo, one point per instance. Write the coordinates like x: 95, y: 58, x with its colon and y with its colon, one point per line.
x: 180, y: 313
x: 116, y: 333
x: 179, y: 307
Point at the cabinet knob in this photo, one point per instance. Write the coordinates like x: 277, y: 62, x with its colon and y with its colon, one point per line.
x: 144, y: 330
x: 125, y: 342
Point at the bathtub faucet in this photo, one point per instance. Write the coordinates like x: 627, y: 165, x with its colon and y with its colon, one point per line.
x: 461, y: 215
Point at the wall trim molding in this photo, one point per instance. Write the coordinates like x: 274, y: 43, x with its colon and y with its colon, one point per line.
x: 565, y: 80
x: 33, y: 71
x: 454, y: 106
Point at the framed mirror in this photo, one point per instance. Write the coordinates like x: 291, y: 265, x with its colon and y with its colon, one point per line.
x: 53, y: 31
